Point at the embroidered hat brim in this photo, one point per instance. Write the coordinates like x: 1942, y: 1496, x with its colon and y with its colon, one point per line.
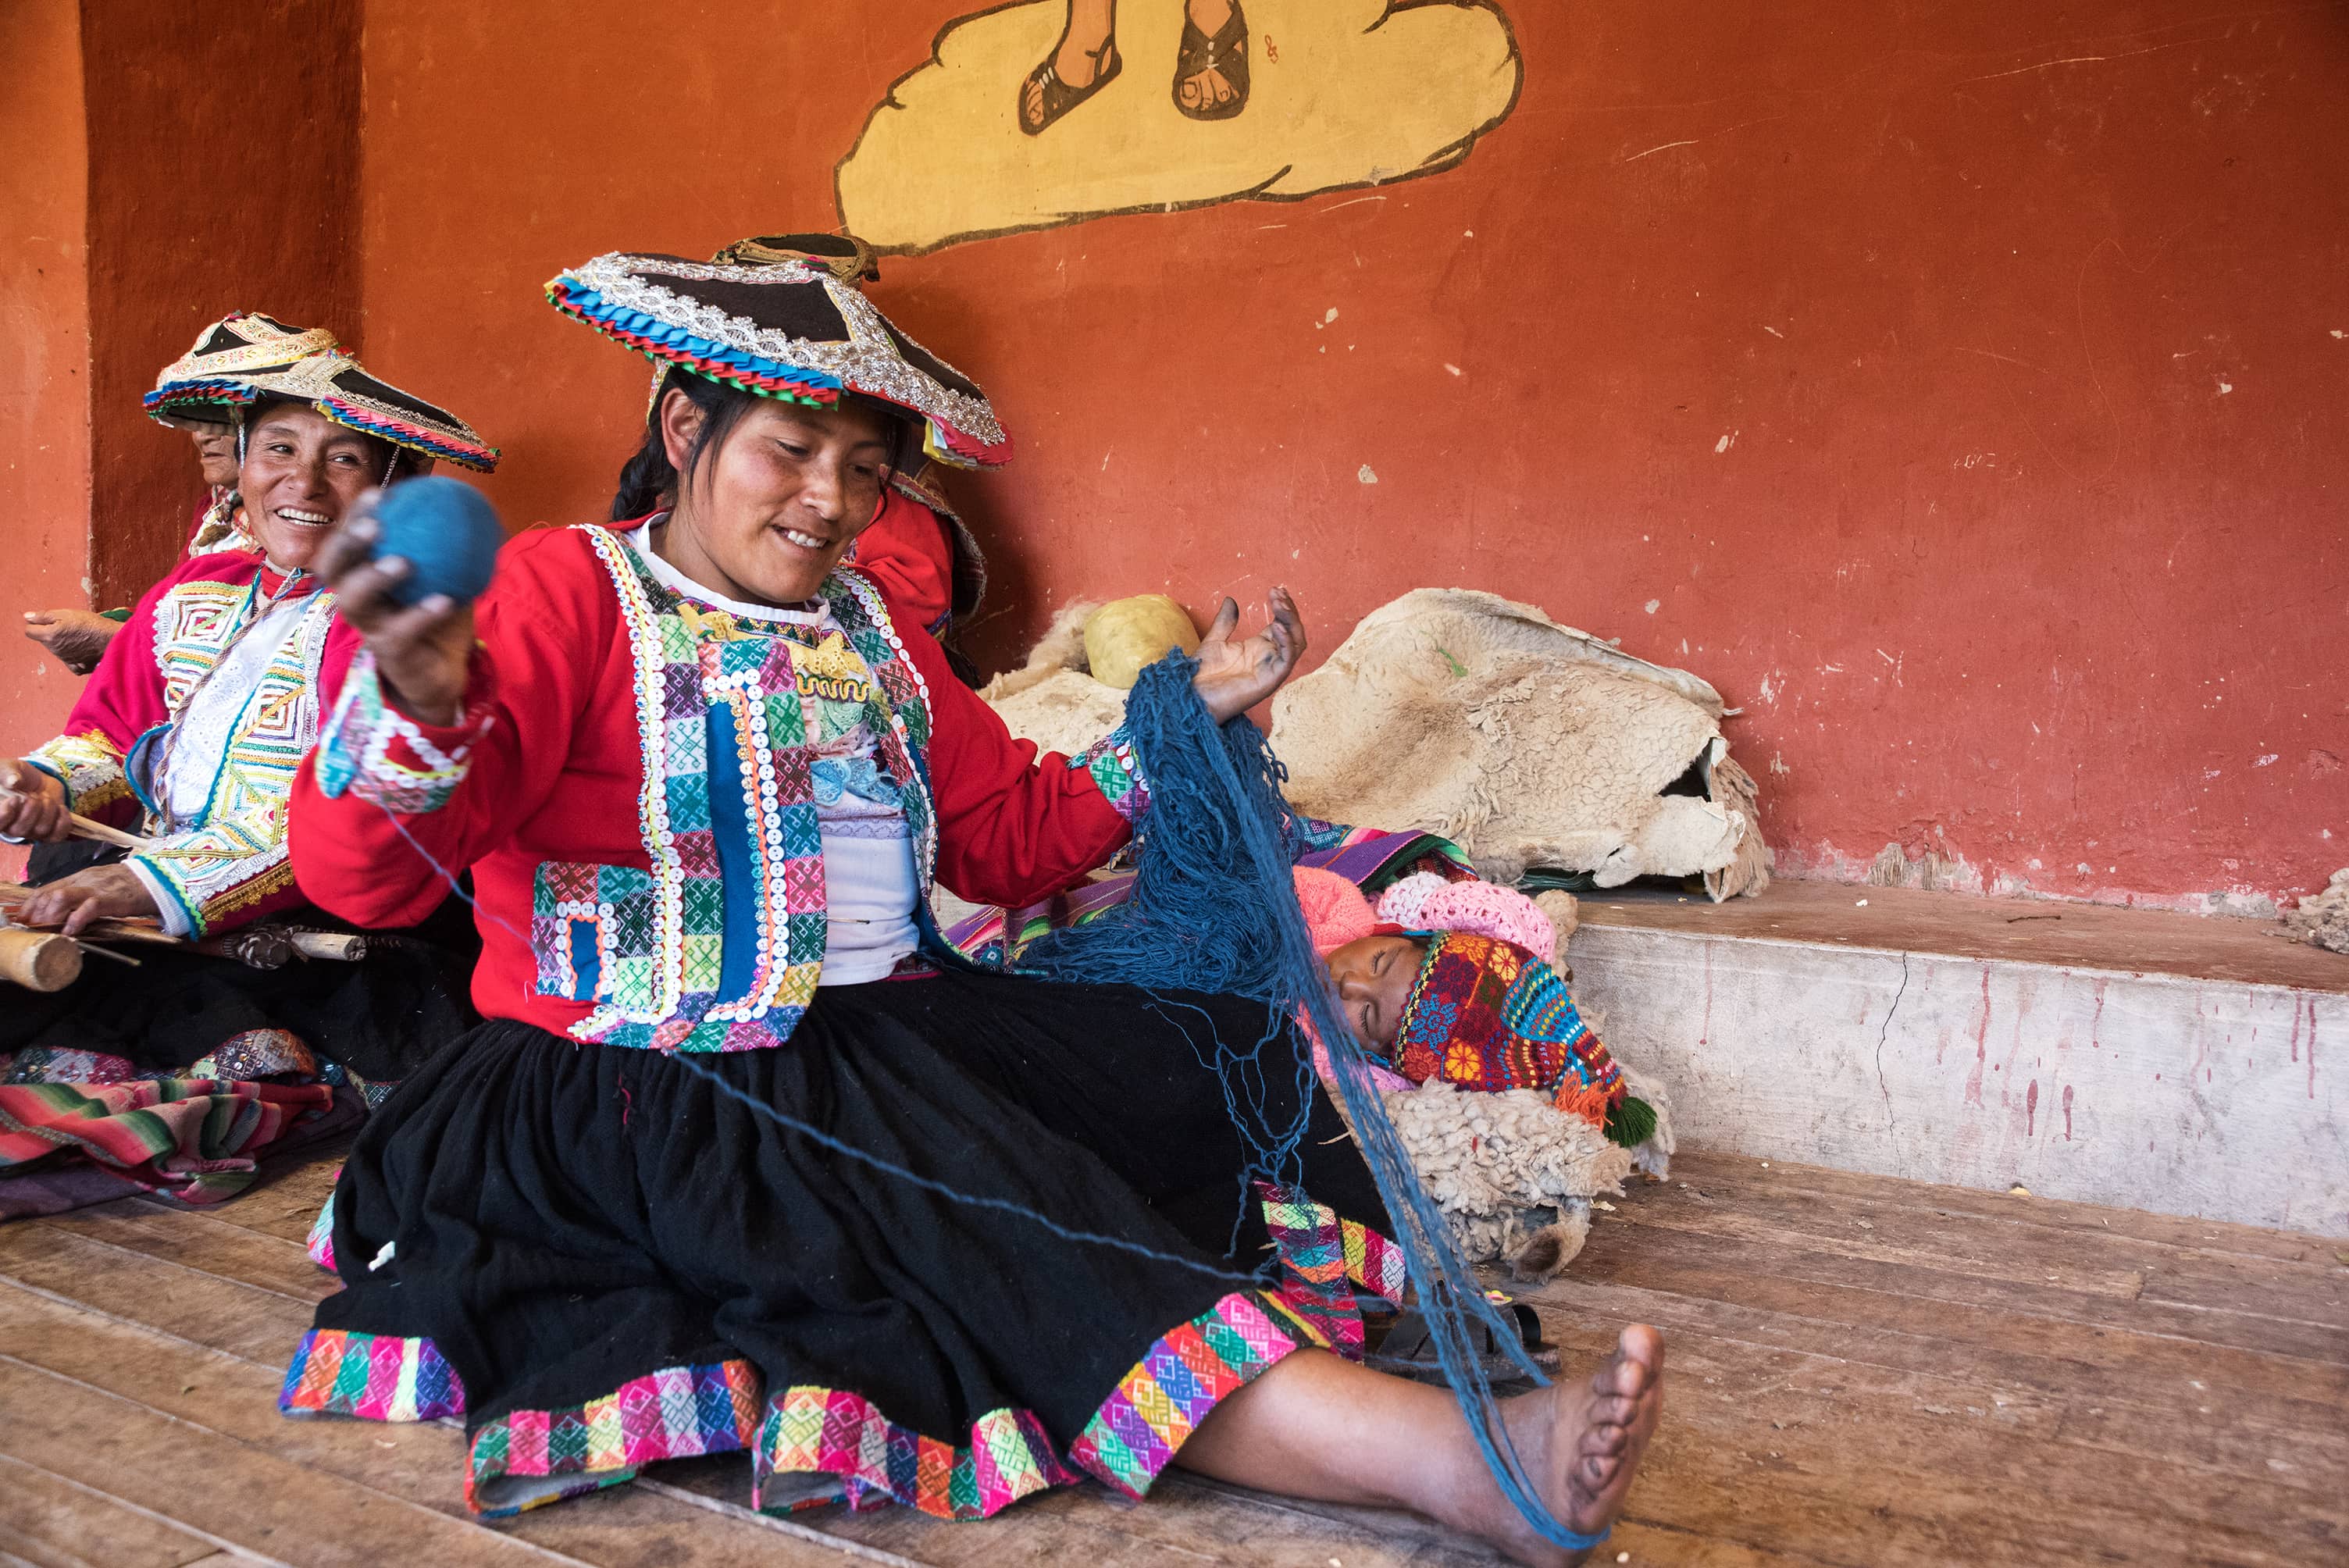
x: 243, y: 358
x: 782, y: 329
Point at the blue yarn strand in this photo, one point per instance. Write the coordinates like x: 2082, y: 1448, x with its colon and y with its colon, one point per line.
x: 1214, y: 909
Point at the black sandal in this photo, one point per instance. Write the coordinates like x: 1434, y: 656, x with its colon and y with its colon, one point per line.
x: 1408, y: 1348
x: 1227, y: 53
x: 1058, y: 97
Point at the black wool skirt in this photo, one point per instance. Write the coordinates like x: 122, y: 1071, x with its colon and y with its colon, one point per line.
x: 606, y: 1256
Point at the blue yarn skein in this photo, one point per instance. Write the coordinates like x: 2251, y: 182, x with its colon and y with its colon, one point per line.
x: 1214, y: 909
x: 446, y: 531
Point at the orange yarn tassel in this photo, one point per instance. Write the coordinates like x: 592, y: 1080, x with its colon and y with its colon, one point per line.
x: 1582, y: 1099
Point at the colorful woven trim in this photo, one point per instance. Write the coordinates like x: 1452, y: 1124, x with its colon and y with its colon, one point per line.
x: 320, y: 1242
x: 402, y: 432
x: 1159, y: 1404
x: 90, y: 768
x: 525, y: 1459
x: 1116, y: 767
x: 230, y: 857
x: 715, y: 362
x: 1374, y: 1261
x: 648, y: 303
x: 368, y: 419
x: 678, y: 1412
x: 371, y: 1377
x: 1314, y: 1285
x: 834, y: 1432
x: 373, y: 751
x: 244, y: 357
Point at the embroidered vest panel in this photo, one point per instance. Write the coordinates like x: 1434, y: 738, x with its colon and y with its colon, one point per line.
x: 275, y: 724
x: 718, y: 947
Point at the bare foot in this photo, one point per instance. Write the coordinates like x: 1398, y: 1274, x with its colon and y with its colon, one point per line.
x: 1581, y: 1444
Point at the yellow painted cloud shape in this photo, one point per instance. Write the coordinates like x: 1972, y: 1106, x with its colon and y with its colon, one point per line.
x: 1343, y: 93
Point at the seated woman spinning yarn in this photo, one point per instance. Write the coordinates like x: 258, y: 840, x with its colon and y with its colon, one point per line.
x: 743, y: 1159
x: 199, y: 712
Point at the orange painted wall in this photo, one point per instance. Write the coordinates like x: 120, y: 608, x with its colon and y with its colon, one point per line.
x: 45, y: 470
x: 224, y: 176
x: 1961, y: 389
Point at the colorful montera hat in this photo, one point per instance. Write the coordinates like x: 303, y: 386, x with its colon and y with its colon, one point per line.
x: 244, y: 357
x: 783, y: 318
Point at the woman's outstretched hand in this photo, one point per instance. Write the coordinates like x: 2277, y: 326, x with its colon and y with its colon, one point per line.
x: 77, y: 637
x: 1233, y: 676
x: 420, y: 650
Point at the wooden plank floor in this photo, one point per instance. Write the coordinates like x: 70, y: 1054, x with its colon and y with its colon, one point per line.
x: 1863, y: 1372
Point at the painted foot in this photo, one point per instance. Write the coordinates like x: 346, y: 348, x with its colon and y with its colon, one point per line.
x: 1066, y: 77
x: 1582, y: 1444
x: 1211, y: 63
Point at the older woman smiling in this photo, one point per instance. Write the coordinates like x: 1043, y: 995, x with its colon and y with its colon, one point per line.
x: 201, y: 709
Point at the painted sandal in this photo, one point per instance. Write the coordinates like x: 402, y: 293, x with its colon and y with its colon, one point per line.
x: 1225, y: 53
x: 1059, y: 97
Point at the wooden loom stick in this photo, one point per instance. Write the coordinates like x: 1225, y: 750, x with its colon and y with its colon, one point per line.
x: 83, y: 827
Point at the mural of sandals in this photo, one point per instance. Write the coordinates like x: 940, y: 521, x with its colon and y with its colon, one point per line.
x: 1211, y: 63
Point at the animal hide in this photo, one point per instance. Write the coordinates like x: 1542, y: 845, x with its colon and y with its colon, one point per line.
x: 1528, y: 743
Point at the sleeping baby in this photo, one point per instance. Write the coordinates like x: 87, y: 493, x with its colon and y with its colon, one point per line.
x: 1513, y: 1110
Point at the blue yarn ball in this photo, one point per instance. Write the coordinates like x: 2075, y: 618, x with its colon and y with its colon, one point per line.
x: 446, y: 531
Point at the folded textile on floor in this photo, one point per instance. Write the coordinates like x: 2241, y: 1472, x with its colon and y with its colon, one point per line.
x: 81, y: 1127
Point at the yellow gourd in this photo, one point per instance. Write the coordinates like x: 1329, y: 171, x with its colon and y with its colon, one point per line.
x: 1126, y: 635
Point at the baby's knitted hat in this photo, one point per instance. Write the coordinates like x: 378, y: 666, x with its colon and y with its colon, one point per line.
x: 1426, y: 901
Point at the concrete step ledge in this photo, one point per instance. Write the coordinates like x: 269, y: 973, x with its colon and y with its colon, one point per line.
x: 2107, y: 1056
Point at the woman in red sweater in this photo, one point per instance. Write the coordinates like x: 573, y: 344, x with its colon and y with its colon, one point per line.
x: 703, y: 1180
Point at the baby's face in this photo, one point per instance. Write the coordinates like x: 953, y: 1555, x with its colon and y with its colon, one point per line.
x: 1374, y: 977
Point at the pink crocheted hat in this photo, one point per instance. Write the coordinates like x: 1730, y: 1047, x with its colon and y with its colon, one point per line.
x: 1427, y: 903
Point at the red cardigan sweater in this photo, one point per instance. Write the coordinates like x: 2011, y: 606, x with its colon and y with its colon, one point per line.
x: 630, y: 788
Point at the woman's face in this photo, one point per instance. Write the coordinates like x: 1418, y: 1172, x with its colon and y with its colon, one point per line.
x: 778, y: 504
x: 215, y: 454
x: 1374, y: 977
x: 301, y: 472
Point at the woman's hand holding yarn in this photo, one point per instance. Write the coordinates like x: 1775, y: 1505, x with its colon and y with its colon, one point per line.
x: 420, y: 650
x: 1233, y: 676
